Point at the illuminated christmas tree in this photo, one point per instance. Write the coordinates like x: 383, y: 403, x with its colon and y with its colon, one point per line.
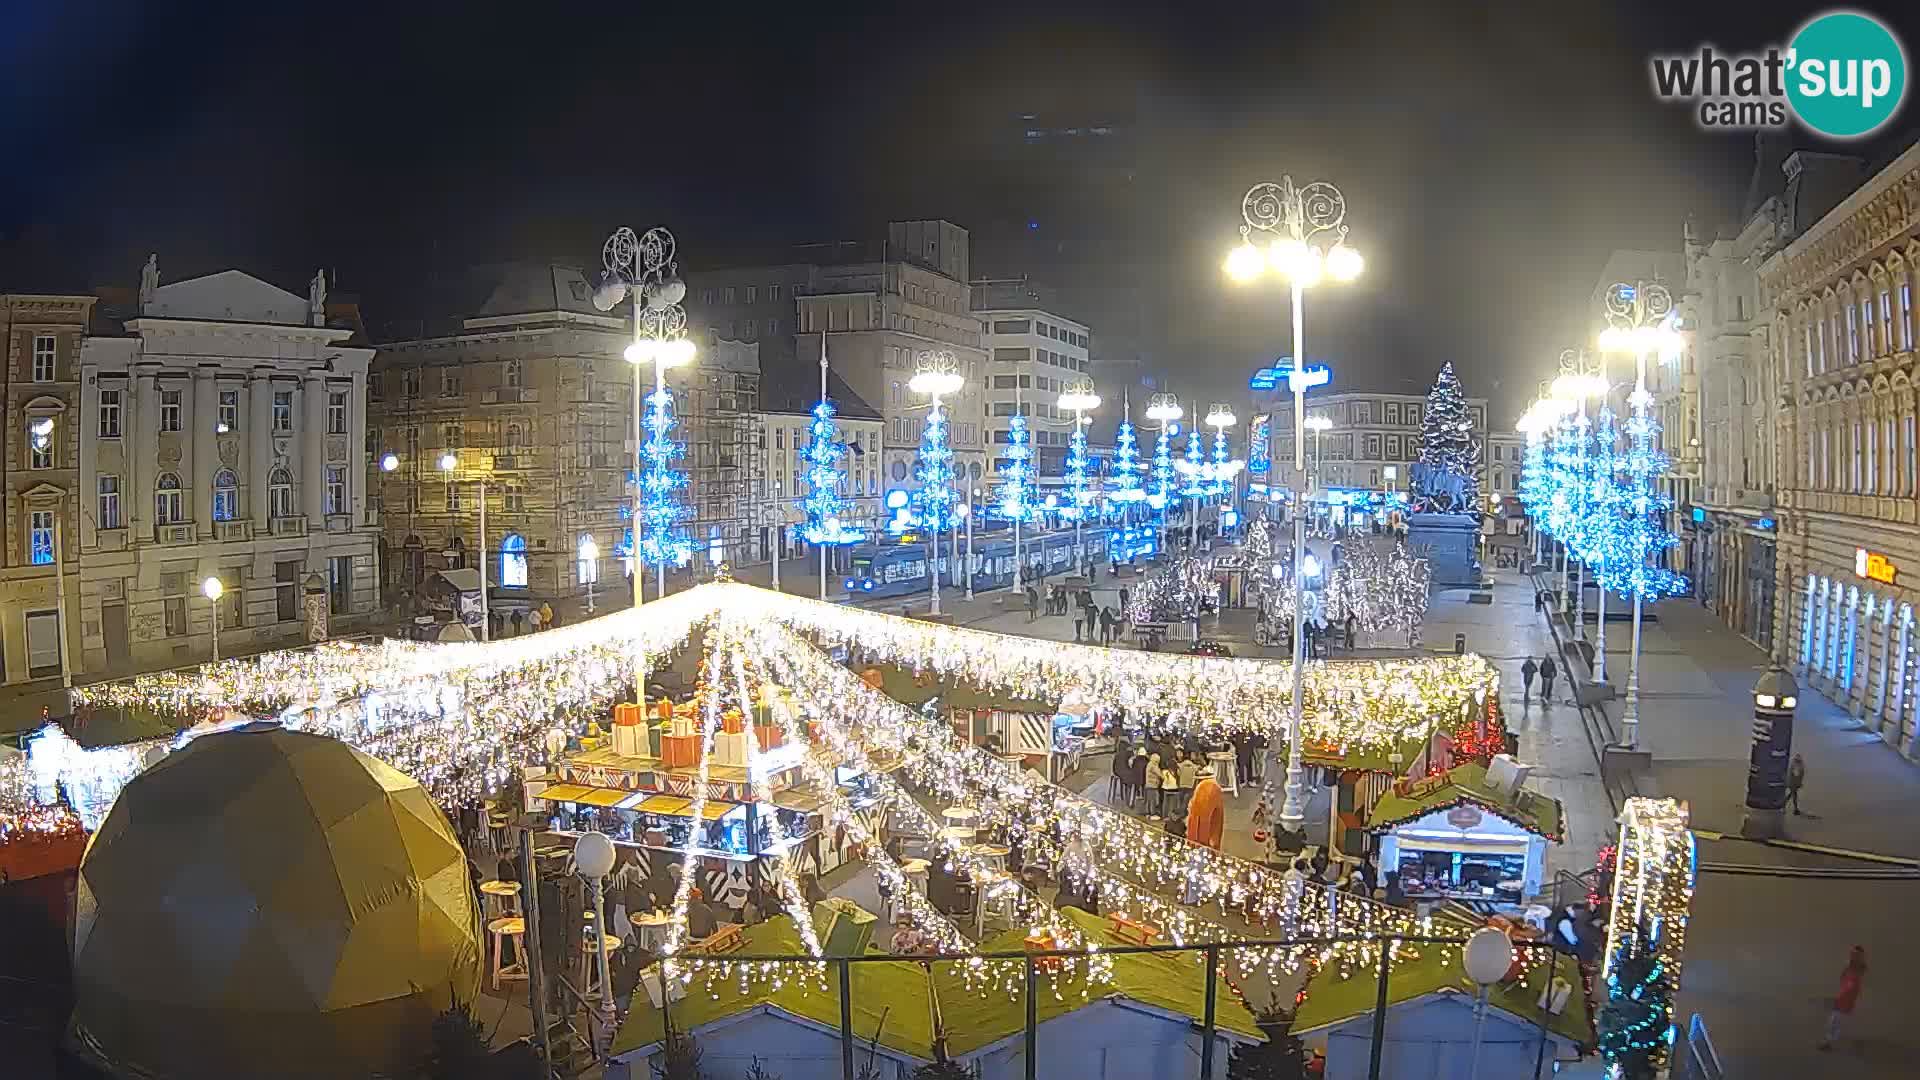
x: 1163, y: 468
x: 1644, y: 540
x: 1447, y: 443
x: 1633, y: 1023
x: 1222, y: 464
x: 1079, y: 499
x: 1194, y: 466
x: 1126, y: 471
x: 663, y: 542
x: 1604, y: 500
x: 935, y: 499
x: 1016, y: 477
x: 823, y: 506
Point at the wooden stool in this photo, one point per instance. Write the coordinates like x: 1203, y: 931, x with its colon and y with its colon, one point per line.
x: 501, y: 929
x: 591, y: 950
x: 1224, y: 772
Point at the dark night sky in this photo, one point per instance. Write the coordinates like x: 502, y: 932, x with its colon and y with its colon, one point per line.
x: 1491, y: 154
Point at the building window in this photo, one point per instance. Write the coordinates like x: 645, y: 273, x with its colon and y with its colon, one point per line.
x: 728, y: 295
x: 43, y: 357
x: 410, y: 383
x: 286, y: 590
x: 109, y: 503
x: 226, y: 496
x: 513, y: 561
x: 337, y: 413
x: 773, y: 293
x: 279, y: 494
x: 1906, y: 435
x: 1855, y: 447
x: 753, y: 294
x: 1889, y: 338
x: 450, y: 436
x: 283, y: 410
x: 513, y: 437
x: 169, y: 410
x: 513, y: 374
x: 336, y: 490
x: 453, y: 498
x: 109, y: 414
x: 513, y: 499
x: 339, y: 583
x: 167, y: 505
x: 449, y: 382
x: 229, y: 419
x: 175, y: 610
x: 1853, y: 336
x: 1906, y: 316
x: 746, y: 329
x: 40, y: 536
x: 39, y: 442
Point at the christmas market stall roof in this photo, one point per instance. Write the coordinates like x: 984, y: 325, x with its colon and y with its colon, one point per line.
x: 1333, y: 998
x: 907, y: 688
x: 907, y: 997
x: 1466, y: 784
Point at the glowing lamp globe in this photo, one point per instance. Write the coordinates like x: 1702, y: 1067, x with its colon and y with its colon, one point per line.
x: 1244, y: 263
x: 593, y: 855
x: 1344, y: 263
x: 271, y: 901
x: 1488, y: 956
x: 213, y: 588
x: 1221, y: 416
x: 448, y: 462
x: 641, y: 351
x: 676, y: 353
x: 389, y: 462
x: 609, y: 292
x: 1164, y: 408
x: 936, y: 374
x: 1079, y: 397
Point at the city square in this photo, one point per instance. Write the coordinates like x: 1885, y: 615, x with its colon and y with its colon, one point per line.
x: 1172, y: 585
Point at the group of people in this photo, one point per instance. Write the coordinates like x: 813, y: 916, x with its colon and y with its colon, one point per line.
x: 530, y: 621
x: 1172, y: 782
x: 1108, y: 622
x: 1547, y: 670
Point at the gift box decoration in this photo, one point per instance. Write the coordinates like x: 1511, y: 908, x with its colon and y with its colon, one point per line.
x: 680, y: 751
x: 732, y: 722
x: 730, y: 748
x: 769, y: 736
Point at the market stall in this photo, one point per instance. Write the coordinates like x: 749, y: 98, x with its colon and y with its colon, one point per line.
x: 1473, y: 833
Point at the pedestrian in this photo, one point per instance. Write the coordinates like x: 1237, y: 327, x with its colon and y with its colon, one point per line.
x: 1351, y: 624
x: 1206, y: 814
x: 1154, y: 777
x: 1849, y: 995
x: 1079, y: 622
x: 1796, y: 776
x: 1547, y: 673
x: 1033, y: 603
x: 546, y: 614
x: 1125, y: 595
x: 533, y: 621
x: 1527, y: 671
x: 1188, y: 771
x: 518, y: 620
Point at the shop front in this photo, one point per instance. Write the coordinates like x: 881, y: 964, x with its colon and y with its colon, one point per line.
x: 1460, y: 836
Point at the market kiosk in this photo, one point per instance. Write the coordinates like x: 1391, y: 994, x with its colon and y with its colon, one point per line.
x: 1473, y: 833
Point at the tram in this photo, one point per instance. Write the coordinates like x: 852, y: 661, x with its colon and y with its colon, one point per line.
x: 901, y: 569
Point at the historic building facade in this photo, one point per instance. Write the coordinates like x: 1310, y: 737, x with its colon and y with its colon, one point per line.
x: 1374, y: 440
x: 221, y: 433
x: 40, y: 341
x: 1840, y: 300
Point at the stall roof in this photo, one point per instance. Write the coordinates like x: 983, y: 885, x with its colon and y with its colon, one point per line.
x: 563, y: 792
x: 463, y: 579
x: 1466, y: 784
x: 1334, y: 996
x: 803, y: 800
x: 906, y: 688
x: 1373, y: 759
x: 604, y: 797
x: 606, y: 758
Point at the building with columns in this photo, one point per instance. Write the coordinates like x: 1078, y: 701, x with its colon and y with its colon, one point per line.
x: 1374, y: 440
x: 1840, y: 303
x: 222, y: 432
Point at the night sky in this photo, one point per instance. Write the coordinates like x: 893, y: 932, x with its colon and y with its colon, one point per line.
x: 1491, y: 154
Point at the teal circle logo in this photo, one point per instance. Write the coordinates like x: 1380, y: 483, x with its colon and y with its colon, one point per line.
x: 1847, y: 74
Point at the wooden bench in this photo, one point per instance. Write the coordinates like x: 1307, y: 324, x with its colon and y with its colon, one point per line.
x: 724, y: 940
x: 1139, y: 933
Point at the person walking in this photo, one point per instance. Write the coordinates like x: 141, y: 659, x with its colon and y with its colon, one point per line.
x: 1851, y: 980
x: 533, y: 621
x: 1079, y: 623
x: 1206, y: 814
x: 1527, y: 672
x: 1547, y: 674
x: 1154, y: 778
x: 1796, y: 776
x: 518, y: 621
x: 1188, y: 771
x: 1033, y: 603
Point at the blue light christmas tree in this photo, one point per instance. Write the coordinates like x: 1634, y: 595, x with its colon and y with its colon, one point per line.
x: 1163, y: 467
x: 934, y: 501
x: 1221, y: 463
x: 1536, y: 486
x: 823, y: 506
x: 662, y: 541
x: 1634, y: 1021
x: 1016, y: 478
x: 1126, y: 471
x: 1643, y: 540
x: 1603, y: 499
x: 1079, y: 499
x: 1194, y: 465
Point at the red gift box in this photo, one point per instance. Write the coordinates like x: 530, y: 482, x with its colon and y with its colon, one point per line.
x: 769, y: 736
x: 732, y: 723
x: 680, y: 751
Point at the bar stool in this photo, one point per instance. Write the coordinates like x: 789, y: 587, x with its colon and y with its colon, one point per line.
x: 993, y: 900
x: 1224, y: 772
x: 962, y: 822
x: 503, y: 898
x: 915, y: 871
x: 591, y: 951
x: 502, y: 929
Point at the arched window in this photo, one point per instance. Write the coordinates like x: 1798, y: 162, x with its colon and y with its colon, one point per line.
x: 279, y: 494
x: 513, y: 437
x: 513, y: 561
x: 513, y: 373
x: 167, y: 506
x: 226, y: 496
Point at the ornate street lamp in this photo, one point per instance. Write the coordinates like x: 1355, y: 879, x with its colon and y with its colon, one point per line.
x: 1079, y: 399
x: 936, y: 374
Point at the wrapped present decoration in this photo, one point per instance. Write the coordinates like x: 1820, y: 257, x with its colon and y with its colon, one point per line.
x: 730, y: 748
x: 769, y: 736
x: 680, y: 751
x: 732, y: 722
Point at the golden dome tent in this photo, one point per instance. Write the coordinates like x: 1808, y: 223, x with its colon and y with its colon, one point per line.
x: 269, y: 902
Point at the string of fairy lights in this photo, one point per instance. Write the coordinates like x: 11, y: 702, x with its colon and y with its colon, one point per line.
x: 1653, y: 884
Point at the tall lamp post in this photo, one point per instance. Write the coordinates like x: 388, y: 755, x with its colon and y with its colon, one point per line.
x: 1079, y: 399
x: 1165, y: 410
x: 448, y: 463
x: 1641, y: 317
x: 212, y: 589
x: 936, y: 375
x: 1305, y: 232
x: 589, y: 566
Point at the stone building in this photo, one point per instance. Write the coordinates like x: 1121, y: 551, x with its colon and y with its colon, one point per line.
x: 533, y: 397
x: 40, y: 340
x: 221, y: 431
x: 1840, y: 302
x: 1033, y: 353
x: 1374, y: 440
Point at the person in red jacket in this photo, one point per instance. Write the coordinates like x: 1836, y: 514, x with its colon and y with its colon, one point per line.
x: 1849, y: 995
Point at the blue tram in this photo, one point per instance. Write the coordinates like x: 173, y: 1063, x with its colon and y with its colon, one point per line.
x: 901, y: 569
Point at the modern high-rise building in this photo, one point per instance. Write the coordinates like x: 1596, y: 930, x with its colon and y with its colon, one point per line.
x: 1033, y: 353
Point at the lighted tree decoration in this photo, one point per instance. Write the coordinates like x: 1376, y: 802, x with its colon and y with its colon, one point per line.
x: 1016, y: 477
x: 663, y: 542
x: 1280, y: 1057
x: 1633, y: 1023
x: 1127, y: 470
x: 1639, y: 572
x: 1222, y: 465
x: 1535, y: 482
x: 1165, y: 410
x: 824, y: 508
x: 1079, y: 498
x: 1194, y: 465
x: 935, y: 500
x: 1449, y: 458
x: 1605, y: 527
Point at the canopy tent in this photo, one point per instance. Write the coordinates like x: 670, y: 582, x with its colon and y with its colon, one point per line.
x: 264, y: 895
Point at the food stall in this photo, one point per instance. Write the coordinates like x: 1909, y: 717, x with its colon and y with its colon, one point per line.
x: 1473, y: 833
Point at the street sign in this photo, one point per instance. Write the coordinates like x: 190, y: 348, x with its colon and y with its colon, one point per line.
x: 1264, y: 379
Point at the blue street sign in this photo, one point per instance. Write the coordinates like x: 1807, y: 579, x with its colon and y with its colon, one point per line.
x: 1265, y: 379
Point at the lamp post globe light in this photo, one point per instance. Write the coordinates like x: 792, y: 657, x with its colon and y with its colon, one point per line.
x: 593, y: 856
x: 1302, y: 235
x: 1165, y: 410
x: 213, y: 589
x: 1642, y: 321
x: 936, y: 374
x: 450, y: 464
x: 589, y: 566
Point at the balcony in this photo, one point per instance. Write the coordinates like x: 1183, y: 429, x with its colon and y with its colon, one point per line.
x: 510, y: 395
x: 288, y: 526
x: 339, y: 523
x: 233, y: 530
x: 173, y: 533
x: 510, y: 461
x: 114, y: 539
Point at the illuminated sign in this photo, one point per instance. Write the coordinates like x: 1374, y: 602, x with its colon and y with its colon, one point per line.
x: 1264, y: 379
x: 1874, y: 566
x: 1259, y: 438
x: 1699, y: 514
x: 1764, y: 523
x: 1301, y: 380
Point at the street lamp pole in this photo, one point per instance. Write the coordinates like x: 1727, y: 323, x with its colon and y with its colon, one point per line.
x: 590, y: 563
x: 1079, y: 399
x: 212, y: 588
x: 972, y: 502
x: 937, y: 375
x: 1299, y: 220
